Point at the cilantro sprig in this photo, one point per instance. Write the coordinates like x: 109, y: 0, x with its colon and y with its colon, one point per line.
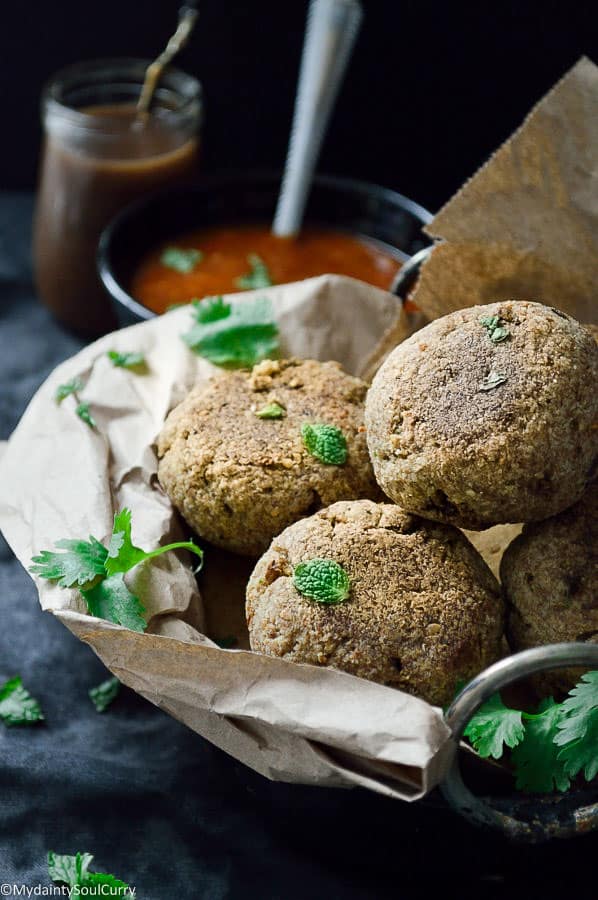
x: 103, y: 694
x: 258, y: 275
x: 128, y: 360
x: 17, y: 706
x: 99, y: 571
x: 548, y: 747
x: 496, y: 328
x: 233, y: 335
x: 73, y: 871
x: 180, y: 259
x: 72, y: 388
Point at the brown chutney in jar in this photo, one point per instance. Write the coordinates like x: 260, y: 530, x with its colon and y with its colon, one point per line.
x: 97, y: 158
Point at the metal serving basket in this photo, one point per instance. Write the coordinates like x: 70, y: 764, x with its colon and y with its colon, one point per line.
x: 530, y: 818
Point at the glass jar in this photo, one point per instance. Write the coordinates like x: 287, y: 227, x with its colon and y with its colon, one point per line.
x: 98, y: 157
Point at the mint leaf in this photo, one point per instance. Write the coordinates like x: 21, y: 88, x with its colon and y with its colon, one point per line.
x: 103, y: 695
x: 326, y: 442
x: 235, y: 335
x: 17, y: 706
x: 123, y: 555
x: 84, y: 414
x: 537, y: 766
x: 578, y: 728
x: 65, y: 390
x: 271, y: 411
x: 493, y: 726
x: 496, y: 328
x: 258, y: 276
x: 112, y: 600
x: 126, y: 360
x: 322, y: 580
x: 80, y: 564
x: 181, y: 260
x: 492, y: 380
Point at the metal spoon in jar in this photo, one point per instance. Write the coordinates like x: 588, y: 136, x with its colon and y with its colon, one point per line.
x: 332, y: 27
x: 188, y: 14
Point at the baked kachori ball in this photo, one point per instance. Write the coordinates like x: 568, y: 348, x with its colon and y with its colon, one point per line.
x: 550, y: 580
x: 249, y: 453
x: 423, y: 610
x: 487, y: 415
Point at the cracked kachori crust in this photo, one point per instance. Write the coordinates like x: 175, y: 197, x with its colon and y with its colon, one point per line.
x: 424, y: 610
x: 450, y: 448
x: 238, y: 479
x: 550, y: 580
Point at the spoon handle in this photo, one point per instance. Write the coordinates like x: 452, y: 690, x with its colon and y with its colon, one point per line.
x: 332, y: 27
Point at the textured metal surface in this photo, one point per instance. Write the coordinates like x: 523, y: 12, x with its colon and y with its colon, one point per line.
x: 523, y: 818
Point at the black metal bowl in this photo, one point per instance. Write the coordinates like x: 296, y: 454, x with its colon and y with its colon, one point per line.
x: 341, y: 203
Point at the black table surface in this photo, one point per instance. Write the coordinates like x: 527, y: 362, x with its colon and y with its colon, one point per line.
x: 156, y: 804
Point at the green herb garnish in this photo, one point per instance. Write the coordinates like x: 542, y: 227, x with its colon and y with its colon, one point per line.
x: 65, y: 390
x: 17, y: 706
x: 84, y: 414
x: 326, y: 442
x: 271, y: 411
x: 493, y: 726
x: 99, y: 571
x: 73, y: 871
x: 126, y: 360
x: 322, y: 580
x: 492, y: 380
x: 578, y: 728
x: 496, y: 328
x: 258, y: 276
x: 234, y: 335
x: 181, y: 260
x: 549, y: 747
x: 103, y: 694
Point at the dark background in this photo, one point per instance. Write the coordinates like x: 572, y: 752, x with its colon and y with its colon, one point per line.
x: 433, y: 89
x: 434, y: 86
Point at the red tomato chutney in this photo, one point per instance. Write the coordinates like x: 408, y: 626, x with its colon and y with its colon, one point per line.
x: 225, y: 259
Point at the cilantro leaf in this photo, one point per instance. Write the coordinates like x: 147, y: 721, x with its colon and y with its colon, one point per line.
x: 17, y: 706
x: 181, y: 260
x: 122, y: 554
x: 537, y: 766
x: 326, y: 442
x: 235, y: 335
x: 84, y: 414
x: 271, y: 411
x: 494, y: 725
x: 69, y: 870
x: 578, y: 728
x: 126, y: 360
x: 80, y: 564
x: 73, y: 871
x: 70, y: 387
x: 111, y: 599
x: 103, y: 694
x: 258, y: 276
x: 210, y: 309
x: 322, y: 580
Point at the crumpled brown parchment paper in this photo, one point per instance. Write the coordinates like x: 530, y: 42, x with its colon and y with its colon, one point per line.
x: 61, y: 479
x: 525, y: 226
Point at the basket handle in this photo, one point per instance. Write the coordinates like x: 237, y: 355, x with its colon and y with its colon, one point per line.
x: 548, y: 819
